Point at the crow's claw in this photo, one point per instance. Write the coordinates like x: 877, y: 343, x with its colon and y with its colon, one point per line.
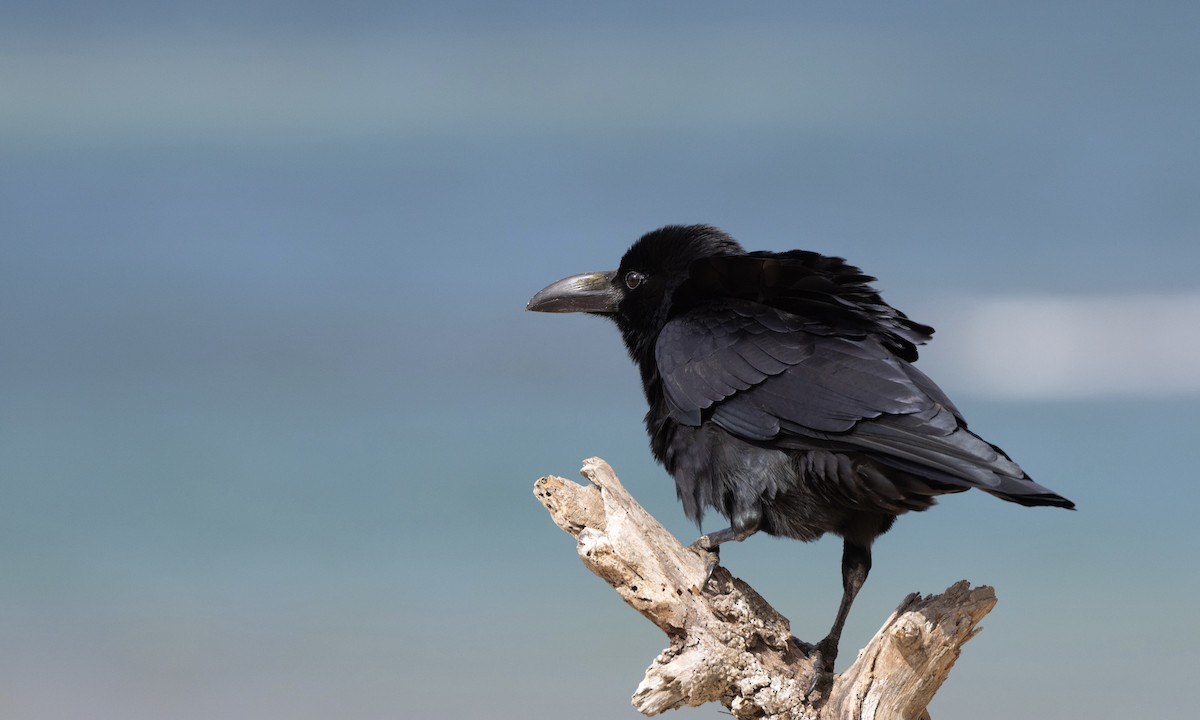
x: 712, y: 557
x: 823, y: 655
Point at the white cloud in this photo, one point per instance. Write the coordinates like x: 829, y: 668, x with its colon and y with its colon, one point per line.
x: 1057, y: 347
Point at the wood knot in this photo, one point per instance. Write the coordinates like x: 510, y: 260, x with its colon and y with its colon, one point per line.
x: 907, y: 634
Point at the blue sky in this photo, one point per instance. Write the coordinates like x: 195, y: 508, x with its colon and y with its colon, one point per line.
x: 273, y: 410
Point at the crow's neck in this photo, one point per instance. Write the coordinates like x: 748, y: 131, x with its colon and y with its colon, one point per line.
x: 658, y: 424
x: 641, y: 350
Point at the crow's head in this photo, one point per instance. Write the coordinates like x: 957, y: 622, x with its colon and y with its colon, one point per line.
x: 638, y: 294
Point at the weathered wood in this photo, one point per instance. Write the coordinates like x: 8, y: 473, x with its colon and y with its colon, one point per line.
x: 728, y: 645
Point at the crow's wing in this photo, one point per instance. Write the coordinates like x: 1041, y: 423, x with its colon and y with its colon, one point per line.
x: 768, y: 376
x: 722, y: 355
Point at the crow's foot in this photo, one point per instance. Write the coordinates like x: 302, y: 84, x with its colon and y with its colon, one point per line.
x: 711, y: 552
x: 823, y: 655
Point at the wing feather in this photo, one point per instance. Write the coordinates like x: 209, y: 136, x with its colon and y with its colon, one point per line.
x: 766, y: 376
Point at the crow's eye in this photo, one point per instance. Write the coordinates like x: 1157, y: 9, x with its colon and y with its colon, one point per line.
x: 633, y: 278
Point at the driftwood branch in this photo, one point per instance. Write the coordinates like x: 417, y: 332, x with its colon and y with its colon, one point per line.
x: 728, y: 645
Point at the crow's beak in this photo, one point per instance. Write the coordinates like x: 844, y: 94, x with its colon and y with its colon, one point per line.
x: 590, y: 292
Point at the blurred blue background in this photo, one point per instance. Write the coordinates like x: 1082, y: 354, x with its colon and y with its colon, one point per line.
x: 271, y: 410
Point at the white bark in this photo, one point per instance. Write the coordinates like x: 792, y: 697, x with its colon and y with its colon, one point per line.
x: 728, y: 645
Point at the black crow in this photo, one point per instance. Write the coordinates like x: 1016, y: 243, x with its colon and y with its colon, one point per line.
x: 783, y: 394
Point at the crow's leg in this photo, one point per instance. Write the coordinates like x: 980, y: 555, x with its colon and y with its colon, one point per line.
x: 744, y: 523
x: 856, y: 563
